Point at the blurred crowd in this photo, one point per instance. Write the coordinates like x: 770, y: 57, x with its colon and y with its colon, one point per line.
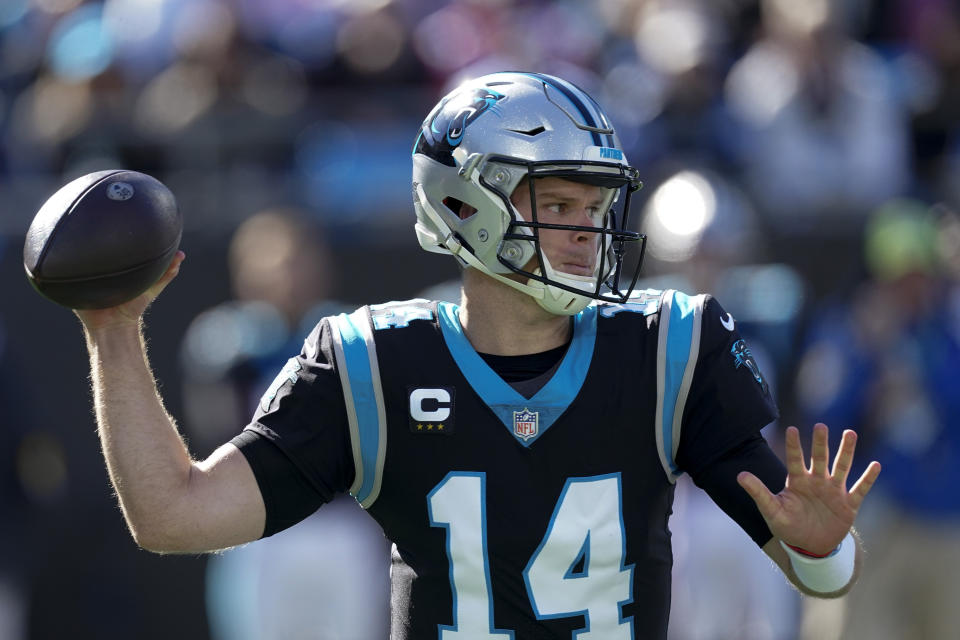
x: 821, y: 110
x: 801, y: 161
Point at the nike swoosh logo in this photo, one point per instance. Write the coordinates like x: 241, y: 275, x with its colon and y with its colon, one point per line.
x: 727, y: 322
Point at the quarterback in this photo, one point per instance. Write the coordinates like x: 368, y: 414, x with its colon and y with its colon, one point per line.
x: 519, y: 449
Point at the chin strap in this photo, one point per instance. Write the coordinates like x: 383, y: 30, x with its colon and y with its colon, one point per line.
x: 556, y: 300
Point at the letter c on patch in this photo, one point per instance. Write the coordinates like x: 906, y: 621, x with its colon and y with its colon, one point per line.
x: 438, y: 401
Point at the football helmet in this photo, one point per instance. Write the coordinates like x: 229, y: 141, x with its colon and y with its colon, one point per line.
x: 478, y: 144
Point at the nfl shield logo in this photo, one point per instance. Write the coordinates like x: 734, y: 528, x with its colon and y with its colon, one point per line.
x: 526, y: 423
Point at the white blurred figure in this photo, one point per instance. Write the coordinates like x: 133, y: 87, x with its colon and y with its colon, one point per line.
x: 722, y: 588
x: 322, y: 579
x: 326, y: 578
x: 826, y: 134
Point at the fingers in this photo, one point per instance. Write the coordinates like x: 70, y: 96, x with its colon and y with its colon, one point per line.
x: 766, y: 501
x: 819, y: 450
x: 794, y: 453
x: 129, y: 313
x: 844, y: 459
x: 174, y: 267
x: 864, y: 484
x: 168, y: 275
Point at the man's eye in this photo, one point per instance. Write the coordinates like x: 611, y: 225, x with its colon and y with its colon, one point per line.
x: 555, y: 208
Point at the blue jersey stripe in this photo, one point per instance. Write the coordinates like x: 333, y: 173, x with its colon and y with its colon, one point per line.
x: 552, y: 400
x: 676, y: 367
x: 363, y: 382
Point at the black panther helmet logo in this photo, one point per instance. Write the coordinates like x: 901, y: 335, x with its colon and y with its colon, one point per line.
x: 443, y: 130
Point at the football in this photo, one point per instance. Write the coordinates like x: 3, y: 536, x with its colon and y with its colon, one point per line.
x: 102, y: 239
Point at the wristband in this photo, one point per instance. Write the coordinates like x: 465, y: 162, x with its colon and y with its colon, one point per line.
x: 810, y: 554
x: 827, y: 574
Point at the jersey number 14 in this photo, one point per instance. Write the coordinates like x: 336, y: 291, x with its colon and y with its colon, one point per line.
x: 578, y: 569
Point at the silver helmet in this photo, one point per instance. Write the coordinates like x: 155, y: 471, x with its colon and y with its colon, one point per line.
x: 478, y: 144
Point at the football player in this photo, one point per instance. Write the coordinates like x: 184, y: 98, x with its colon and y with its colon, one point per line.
x: 519, y: 449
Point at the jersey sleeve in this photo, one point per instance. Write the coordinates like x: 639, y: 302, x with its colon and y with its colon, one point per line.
x: 728, y: 400
x: 298, y: 442
x: 719, y: 480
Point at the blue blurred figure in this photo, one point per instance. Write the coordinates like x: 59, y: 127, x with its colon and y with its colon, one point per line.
x: 887, y: 361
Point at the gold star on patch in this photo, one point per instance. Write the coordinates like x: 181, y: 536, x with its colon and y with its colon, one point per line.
x: 419, y: 427
x: 429, y: 427
x: 439, y: 427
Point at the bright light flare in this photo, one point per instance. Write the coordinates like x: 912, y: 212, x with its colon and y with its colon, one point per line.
x: 677, y: 215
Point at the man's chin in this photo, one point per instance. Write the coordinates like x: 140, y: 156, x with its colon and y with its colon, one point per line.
x: 576, y: 270
x: 564, y: 268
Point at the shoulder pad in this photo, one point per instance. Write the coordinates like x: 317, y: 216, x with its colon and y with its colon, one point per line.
x: 645, y: 302
x: 393, y: 315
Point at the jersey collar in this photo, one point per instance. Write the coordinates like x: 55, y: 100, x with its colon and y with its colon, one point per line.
x: 526, y: 419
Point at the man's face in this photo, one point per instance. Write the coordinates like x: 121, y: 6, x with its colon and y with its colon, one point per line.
x: 561, y: 201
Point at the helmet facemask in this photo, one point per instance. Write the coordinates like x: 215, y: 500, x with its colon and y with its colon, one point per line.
x: 561, y: 292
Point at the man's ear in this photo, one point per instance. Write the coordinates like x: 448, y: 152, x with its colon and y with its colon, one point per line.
x: 522, y: 190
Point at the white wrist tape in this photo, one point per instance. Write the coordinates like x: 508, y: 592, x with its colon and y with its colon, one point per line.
x: 827, y: 574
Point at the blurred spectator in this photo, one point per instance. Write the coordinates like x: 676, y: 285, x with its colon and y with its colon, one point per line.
x: 922, y: 39
x: 327, y: 577
x: 685, y: 46
x: 887, y: 361
x: 281, y: 275
x: 825, y: 131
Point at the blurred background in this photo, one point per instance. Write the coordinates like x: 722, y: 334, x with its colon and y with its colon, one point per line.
x: 801, y: 161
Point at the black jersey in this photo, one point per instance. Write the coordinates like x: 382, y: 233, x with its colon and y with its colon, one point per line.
x: 515, y: 517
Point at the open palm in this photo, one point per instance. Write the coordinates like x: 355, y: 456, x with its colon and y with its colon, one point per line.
x: 814, y: 511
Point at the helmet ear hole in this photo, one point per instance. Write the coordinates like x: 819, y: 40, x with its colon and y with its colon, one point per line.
x: 459, y: 208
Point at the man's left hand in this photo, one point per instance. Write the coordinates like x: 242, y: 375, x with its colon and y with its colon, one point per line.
x: 814, y: 511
